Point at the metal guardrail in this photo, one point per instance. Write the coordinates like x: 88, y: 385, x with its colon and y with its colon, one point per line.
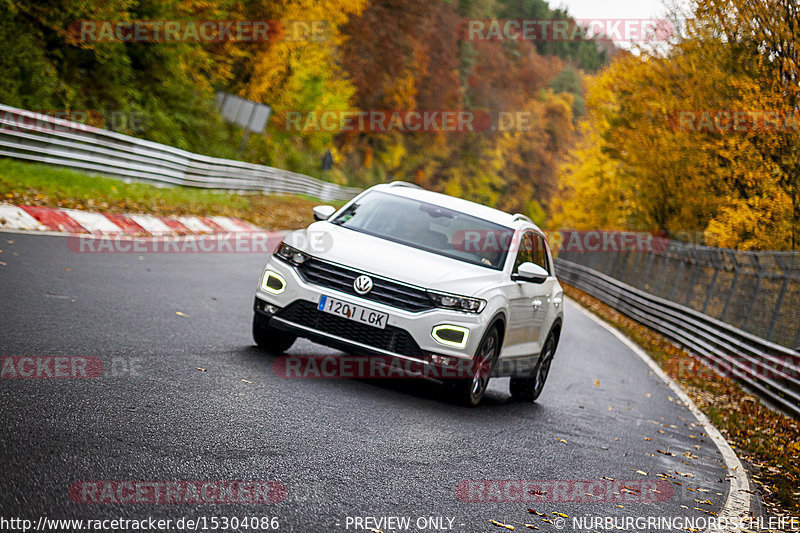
x: 755, y: 291
x: 768, y: 369
x: 38, y: 137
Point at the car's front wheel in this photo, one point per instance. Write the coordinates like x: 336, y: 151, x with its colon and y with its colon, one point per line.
x: 529, y: 389
x: 470, y: 391
x: 271, y: 340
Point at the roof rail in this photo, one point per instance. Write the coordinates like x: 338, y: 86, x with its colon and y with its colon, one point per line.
x: 520, y: 216
x: 404, y: 184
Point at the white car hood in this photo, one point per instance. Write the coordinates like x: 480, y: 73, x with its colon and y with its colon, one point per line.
x: 393, y: 260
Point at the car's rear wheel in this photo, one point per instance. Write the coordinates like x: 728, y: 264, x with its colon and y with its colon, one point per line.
x: 271, y: 340
x: 529, y: 389
x: 470, y: 391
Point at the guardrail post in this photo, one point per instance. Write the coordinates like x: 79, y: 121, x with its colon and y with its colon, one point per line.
x: 797, y: 339
x: 646, y: 279
x: 733, y: 285
x: 776, y: 312
x: 681, y: 266
x: 637, y: 268
x: 717, y: 266
x: 759, y: 274
x: 664, y: 256
x: 697, y: 270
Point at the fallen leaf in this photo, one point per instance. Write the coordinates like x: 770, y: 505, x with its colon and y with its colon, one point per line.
x: 181, y: 314
x: 245, y: 381
x: 562, y: 441
x: 648, y: 439
x: 648, y: 394
x: 537, y: 513
x: 608, y: 478
x: 666, y: 453
x: 500, y: 524
x: 201, y: 369
x: 562, y: 515
x: 641, y: 472
x: 596, y: 383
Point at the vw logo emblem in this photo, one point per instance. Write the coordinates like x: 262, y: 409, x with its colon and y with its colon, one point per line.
x: 362, y: 284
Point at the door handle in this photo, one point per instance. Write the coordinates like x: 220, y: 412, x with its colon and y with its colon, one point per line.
x: 536, y: 303
x: 556, y: 301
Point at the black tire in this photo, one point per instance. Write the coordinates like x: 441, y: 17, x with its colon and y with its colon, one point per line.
x: 469, y: 392
x: 271, y: 340
x: 529, y: 389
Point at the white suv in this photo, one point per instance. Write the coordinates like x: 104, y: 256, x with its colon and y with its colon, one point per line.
x: 455, y: 291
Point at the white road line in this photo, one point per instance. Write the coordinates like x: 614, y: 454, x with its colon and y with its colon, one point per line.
x: 151, y: 224
x: 195, y: 224
x: 13, y: 217
x: 93, y: 222
x: 737, y: 505
x: 227, y: 224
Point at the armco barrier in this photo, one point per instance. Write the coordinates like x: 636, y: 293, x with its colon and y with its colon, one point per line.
x: 766, y: 368
x: 42, y: 138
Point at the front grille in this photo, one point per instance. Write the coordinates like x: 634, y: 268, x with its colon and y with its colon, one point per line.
x: 383, y: 291
x: 391, y: 338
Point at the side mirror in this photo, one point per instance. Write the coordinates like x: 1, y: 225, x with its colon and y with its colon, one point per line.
x: 323, y: 212
x: 530, y: 272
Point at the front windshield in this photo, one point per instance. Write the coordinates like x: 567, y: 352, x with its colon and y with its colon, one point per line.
x: 429, y: 227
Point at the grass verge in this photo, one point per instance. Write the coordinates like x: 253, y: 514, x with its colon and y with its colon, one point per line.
x: 768, y: 440
x: 34, y: 184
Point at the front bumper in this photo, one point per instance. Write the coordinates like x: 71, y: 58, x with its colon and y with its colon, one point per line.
x: 416, y: 326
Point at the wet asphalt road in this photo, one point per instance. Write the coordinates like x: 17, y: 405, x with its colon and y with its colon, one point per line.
x: 343, y: 449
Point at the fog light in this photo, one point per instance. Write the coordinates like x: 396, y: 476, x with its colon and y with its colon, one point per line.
x: 272, y: 282
x: 442, y: 360
x: 454, y: 336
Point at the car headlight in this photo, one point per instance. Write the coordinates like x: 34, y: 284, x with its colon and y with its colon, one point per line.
x: 291, y: 254
x: 456, y: 302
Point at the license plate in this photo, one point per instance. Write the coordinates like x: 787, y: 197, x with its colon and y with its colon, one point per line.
x: 353, y: 312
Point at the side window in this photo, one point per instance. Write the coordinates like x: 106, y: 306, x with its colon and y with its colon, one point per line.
x: 525, y: 253
x: 540, y: 253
